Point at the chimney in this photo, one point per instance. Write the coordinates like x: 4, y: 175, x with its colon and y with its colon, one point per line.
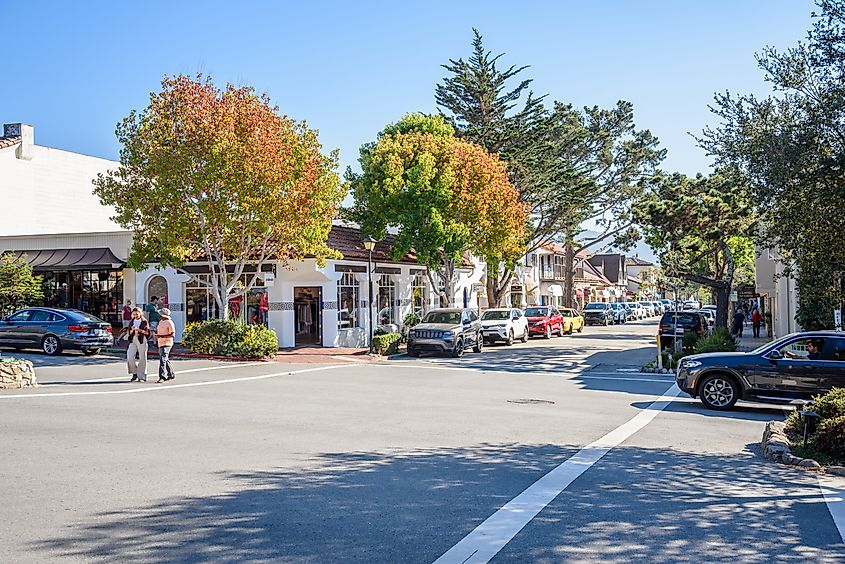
x: 27, y: 134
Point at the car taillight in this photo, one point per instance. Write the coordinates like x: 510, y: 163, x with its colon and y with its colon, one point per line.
x: 109, y: 329
x: 661, y: 328
x: 76, y: 329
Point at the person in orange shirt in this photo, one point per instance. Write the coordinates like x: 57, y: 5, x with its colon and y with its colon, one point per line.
x: 165, y: 333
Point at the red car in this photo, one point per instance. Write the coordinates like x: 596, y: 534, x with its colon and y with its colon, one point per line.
x: 544, y: 320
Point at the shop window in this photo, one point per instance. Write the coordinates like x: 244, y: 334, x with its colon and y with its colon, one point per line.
x: 348, y: 298
x: 157, y: 286
x: 386, y: 300
x: 420, y: 292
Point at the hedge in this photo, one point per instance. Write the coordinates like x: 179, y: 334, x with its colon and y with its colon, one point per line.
x: 230, y: 338
x: 387, y: 344
x: 829, y: 436
x: 719, y: 340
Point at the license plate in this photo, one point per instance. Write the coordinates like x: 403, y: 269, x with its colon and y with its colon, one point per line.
x: 97, y: 332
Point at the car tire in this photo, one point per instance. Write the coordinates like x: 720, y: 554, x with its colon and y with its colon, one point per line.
x: 459, y: 349
x: 51, y: 345
x: 524, y: 338
x: 548, y: 334
x: 581, y: 328
x: 718, y: 391
x: 90, y: 352
x: 479, y: 344
x: 413, y: 353
x: 509, y: 342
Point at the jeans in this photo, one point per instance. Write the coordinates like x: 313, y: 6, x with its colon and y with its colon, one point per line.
x: 165, y: 369
x: 756, y: 328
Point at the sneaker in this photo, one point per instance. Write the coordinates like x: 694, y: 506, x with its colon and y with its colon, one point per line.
x: 134, y: 378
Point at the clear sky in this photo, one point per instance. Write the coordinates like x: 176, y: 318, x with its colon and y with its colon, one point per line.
x: 74, y: 69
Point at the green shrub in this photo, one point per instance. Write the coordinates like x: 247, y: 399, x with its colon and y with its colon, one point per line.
x: 387, y: 344
x: 719, y: 340
x: 689, y: 342
x: 230, y: 338
x: 830, y: 405
x: 829, y: 437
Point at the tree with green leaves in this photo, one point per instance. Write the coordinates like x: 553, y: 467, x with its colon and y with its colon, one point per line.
x: 699, y: 226
x: 19, y: 287
x: 790, y: 149
x: 218, y: 176
x: 443, y: 196
x: 570, y: 166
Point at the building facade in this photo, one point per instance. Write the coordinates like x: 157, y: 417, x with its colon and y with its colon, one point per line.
x: 777, y: 290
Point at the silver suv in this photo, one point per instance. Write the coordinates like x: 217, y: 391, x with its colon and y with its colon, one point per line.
x: 451, y: 330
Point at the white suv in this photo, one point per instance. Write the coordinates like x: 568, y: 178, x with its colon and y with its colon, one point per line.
x: 504, y: 324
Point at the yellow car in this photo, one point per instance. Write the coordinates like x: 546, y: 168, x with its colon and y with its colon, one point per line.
x: 572, y: 321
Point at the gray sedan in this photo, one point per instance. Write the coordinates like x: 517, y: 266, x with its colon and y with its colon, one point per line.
x: 53, y: 330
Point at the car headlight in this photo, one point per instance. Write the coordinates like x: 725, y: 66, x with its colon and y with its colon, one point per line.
x: 692, y: 363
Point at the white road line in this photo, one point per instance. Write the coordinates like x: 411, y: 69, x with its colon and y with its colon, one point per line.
x: 118, y: 379
x: 164, y: 387
x: 834, y: 496
x: 486, y: 540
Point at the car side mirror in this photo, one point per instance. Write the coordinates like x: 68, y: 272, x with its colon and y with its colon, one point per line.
x: 775, y: 355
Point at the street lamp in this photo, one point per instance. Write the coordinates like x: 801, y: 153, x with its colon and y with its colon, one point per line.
x: 370, y: 244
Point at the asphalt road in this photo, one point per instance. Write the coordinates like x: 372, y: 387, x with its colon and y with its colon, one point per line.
x: 550, y: 451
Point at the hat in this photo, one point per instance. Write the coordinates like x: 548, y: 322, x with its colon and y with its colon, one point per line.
x: 165, y: 312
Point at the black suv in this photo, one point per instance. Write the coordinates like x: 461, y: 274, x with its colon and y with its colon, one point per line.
x: 451, y: 330
x: 680, y: 323
x: 598, y: 313
x: 797, y: 366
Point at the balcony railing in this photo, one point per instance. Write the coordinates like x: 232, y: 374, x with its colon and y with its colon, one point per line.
x: 552, y: 273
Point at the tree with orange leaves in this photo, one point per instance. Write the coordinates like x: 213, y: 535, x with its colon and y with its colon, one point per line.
x: 217, y: 175
x: 444, y: 196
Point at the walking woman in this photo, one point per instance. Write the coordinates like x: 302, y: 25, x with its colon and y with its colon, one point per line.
x: 138, y: 334
x: 165, y: 332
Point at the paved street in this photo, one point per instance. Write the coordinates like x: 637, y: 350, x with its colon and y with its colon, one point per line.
x: 407, y: 460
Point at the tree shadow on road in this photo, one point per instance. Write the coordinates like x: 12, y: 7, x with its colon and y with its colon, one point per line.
x: 743, y: 411
x: 411, y: 506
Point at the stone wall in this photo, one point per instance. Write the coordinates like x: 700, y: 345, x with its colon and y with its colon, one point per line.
x: 17, y: 374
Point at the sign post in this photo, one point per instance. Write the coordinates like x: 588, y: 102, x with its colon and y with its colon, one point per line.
x: 837, y: 319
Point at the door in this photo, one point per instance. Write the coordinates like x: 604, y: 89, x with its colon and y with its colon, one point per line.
x: 794, y: 374
x: 308, y: 314
x: 12, y: 330
x: 38, y: 325
x: 831, y: 367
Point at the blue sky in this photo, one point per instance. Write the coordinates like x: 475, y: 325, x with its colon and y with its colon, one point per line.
x: 73, y: 69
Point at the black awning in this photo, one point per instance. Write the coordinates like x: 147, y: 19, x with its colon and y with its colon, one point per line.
x: 72, y: 259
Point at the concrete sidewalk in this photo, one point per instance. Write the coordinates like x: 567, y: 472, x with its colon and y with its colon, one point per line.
x: 300, y: 355
x: 748, y: 343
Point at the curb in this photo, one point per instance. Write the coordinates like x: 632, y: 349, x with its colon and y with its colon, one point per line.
x: 775, y: 445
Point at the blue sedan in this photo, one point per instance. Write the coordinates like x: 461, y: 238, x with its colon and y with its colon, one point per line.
x: 53, y: 330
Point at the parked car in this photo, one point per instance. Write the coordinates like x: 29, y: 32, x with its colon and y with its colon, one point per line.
x: 710, y: 315
x: 649, y: 309
x: 544, y: 320
x: 635, y: 311
x: 620, y: 312
x: 504, y: 324
x: 692, y: 304
x: 598, y: 313
x: 678, y: 323
x: 572, y: 320
x: 658, y: 308
x: 53, y: 330
x: 451, y: 330
x: 797, y: 366
x: 668, y: 305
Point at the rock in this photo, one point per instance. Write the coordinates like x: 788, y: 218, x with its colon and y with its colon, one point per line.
x: 809, y: 463
x: 17, y: 374
x: 788, y: 458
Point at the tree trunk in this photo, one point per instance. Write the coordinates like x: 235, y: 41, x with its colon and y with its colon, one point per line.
x: 569, y: 276
x: 497, y: 287
x: 723, y: 296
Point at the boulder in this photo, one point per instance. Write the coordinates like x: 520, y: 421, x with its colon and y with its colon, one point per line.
x: 16, y: 373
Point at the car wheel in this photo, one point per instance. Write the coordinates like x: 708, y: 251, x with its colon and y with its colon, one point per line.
x: 525, y: 336
x: 413, y: 353
x: 548, y: 334
x: 718, y: 392
x: 459, y: 349
x: 90, y: 352
x: 581, y: 327
x: 51, y: 345
x: 479, y: 345
x: 509, y: 342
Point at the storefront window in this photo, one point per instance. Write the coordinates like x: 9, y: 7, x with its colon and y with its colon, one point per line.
x: 251, y: 307
x: 386, y: 300
x: 420, y: 291
x: 348, y: 294
x: 98, y: 292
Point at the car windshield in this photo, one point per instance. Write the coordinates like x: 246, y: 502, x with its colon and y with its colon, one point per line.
x: 595, y: 306
x: 451, y: 317
x: 536, y: 312
x: 496, y: 314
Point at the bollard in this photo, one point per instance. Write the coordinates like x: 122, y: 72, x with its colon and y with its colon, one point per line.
x: 808, y: 417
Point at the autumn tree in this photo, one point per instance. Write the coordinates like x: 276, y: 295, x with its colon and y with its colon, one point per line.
x: 573, y: 168
x: 700, y: 227
x: 790, y: 148
x: 443, y: 196
x: 218, y: 176
x: 19, y: 287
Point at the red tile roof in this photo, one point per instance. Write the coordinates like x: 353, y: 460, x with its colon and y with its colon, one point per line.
x: 9, y: 141
x: 348, y: 240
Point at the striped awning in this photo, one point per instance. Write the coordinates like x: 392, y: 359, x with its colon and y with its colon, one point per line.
x: 72, y: 259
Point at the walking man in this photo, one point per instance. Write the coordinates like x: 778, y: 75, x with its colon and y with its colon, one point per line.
x: 127, y: 314
x: 166, y: 332
x: 138, y: 333
x: 153, y: 315
x: 739, y: 321
x: 756, y: 320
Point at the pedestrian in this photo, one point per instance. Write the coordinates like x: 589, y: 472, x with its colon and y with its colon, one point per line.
x: 127, y: 314
x: 166, y: 332
x: 739, y: 321
x: 138, y: 333
x: 153, y: 315
x: 756, y: 320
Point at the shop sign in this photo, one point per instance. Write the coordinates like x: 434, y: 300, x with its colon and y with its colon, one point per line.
x: 269, y: 279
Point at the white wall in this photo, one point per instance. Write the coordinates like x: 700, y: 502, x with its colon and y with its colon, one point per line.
x: 52, y: 193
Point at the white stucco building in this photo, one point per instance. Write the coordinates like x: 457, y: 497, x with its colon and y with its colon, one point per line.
x: 67, y: 235
x: 778, y: 291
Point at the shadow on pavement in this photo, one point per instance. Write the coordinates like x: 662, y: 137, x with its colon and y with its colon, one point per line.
x: 656, y: 505
x: 67, y: 358
x: 744, y: 411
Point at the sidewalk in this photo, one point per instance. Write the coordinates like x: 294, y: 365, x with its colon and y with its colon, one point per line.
x: 748, y: 343
x: 301, y: 355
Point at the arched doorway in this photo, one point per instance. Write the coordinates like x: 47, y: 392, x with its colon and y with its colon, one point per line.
x: 157, y: 286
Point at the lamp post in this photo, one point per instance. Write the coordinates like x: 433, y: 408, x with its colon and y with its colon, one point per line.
x: 370, y: 244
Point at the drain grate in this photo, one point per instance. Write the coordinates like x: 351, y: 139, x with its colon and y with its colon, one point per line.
x: 529, y: 401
